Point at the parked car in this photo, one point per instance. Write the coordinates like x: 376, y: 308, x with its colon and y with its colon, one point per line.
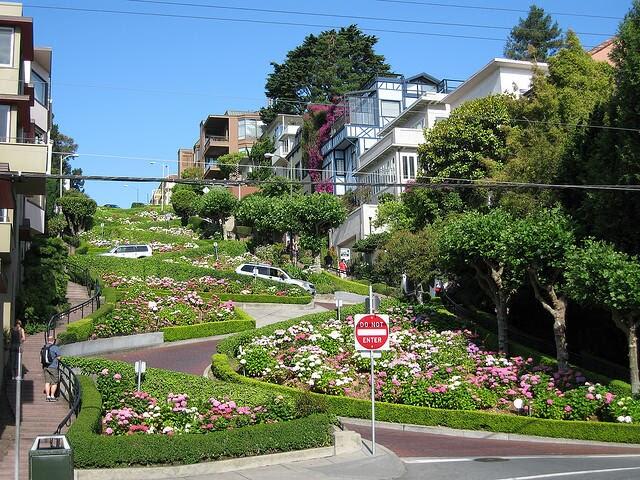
x: 275, y: 274
x: 129, y: 251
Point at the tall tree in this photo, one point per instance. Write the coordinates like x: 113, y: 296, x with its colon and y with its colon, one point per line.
x: 217, y: 205
x: 536, y: 37
x: 600, y: 275
x: 612, y: 156
x: 323, y: 66
x: 541, y: 243
x: 262, y: 164
x: 543, y: 145
x: 481, y: 243
x: 78, y: 209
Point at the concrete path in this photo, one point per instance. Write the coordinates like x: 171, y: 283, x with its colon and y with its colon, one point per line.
x: 39, y: 417
x: 268, y: 313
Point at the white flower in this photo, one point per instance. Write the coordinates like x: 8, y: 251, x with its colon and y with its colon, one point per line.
x: 620, y: 419
x: 598, y: 396
x: 627, y: 419
x: 243, y: 361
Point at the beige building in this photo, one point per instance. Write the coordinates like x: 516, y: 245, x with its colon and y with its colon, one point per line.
x: 221, y: 134
x: 25, y: 124
x: 602, y: 52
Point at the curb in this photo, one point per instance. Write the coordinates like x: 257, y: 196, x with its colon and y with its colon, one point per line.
x: 345, y: 442
x: 480, y: 434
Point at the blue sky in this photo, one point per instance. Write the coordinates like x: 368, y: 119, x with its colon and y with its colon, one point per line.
x: 137, y: 87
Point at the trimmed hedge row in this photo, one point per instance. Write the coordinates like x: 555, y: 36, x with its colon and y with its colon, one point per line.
x: 92, y: 450
x: 467, y: 420
x: 346, y: 285
x: 209, y: 329
x: 236, y: 297
x: 81, y: 330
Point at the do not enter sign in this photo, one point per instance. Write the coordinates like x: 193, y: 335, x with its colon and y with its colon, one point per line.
x: 372, y: 332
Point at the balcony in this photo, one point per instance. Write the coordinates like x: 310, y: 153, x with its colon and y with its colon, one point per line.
x: 34, y: 216
x: 212, y: 141
x: 396, y: 138
x: 448, y: 85
x: 25, y: 157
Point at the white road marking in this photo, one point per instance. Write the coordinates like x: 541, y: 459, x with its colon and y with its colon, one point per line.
x: 567, y: 474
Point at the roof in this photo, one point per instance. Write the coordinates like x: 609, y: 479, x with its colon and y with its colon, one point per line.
x: 601, y: 46
x: 488, y: 69
x: 426, y: 76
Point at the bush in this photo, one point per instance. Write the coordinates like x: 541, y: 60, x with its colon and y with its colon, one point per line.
x: 82, y: 249
x: 81, y: 330
x: 210, y: 329
x: 459, y: 419
x: 138, y: 205
x: 92, y: 450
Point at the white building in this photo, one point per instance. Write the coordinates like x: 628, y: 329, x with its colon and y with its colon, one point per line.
x: 282, y: 130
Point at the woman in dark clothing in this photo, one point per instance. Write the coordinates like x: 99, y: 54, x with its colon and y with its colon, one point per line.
x: 17, y: 339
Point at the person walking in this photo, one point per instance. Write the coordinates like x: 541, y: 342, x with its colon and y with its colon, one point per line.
x: 342, y: 266
x: 51, y: 372
x: 17, y: 339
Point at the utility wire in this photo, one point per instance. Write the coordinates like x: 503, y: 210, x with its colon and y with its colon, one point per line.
x: 335, y: 15
x: 255, y: 21
x: 458, y: 184
x: 493, y: 9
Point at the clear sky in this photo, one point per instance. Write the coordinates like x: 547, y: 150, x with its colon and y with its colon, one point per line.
x: 138, y: 86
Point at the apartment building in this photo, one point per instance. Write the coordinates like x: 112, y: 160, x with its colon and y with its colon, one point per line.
x: 25, y: 124
x: 235, y: 131
x: 364, y: 114
x: 283, y: 130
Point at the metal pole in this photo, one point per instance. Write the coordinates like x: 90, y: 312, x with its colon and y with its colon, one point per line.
x: 373, y: 385
x: 18, y: 409
x: 373, y: 407
x: 61, y: 158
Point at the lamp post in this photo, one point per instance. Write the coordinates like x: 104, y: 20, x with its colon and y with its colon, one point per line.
x: 215, y: 245
x: 137, y: 192
x: 62, y: 159
x: 162, y: 184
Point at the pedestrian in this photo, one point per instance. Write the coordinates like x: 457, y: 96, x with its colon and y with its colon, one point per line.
x: 50, y: 362
x: 342, y: 266
x: 17, y: 339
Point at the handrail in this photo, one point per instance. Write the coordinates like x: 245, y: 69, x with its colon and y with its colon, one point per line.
x: 72, y: 393
x: 72, y: 390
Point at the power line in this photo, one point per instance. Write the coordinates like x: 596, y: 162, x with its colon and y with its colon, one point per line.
x: 255, y: 21
x: 491, y: 9
x: 335, y: 15
x: 457, y: 184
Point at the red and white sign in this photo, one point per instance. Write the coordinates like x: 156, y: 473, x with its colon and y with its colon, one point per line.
x: 372, y: 332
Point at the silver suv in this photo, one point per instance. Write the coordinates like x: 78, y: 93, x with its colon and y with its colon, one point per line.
x: 274, y: 274
x: 129, y: 251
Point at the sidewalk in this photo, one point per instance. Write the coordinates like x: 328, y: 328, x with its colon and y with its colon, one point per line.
x: 39, y: 417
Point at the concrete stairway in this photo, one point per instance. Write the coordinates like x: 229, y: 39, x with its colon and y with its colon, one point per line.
x: 39, y: 417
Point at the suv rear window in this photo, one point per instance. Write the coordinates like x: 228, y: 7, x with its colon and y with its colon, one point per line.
x: 247, y: 268
x: 141, y: 248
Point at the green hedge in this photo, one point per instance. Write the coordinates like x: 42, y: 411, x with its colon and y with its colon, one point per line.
x: 334, y: 283
x: 81, y: 330
x: 209, y: 329
x: 467, y: 420
x: 236, y: 297
x: 92, y: 450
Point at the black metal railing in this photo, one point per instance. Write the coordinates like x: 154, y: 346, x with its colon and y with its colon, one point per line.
x: 448, y: 85
x: 71, y: 391
x: 69, y: 384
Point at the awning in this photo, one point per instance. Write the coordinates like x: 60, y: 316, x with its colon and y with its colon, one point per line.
x: 6, y: 197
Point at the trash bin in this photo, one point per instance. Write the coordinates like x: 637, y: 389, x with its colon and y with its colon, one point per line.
x: 51, y: 458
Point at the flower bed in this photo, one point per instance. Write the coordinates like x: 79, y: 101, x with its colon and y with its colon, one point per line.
x: 279, y: 424
x: 129, y: 412
x: 428, y: 365
x: 142, y: 309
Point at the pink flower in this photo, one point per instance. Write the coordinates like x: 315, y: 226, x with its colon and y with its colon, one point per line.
x: 105, y: 371
x: 117, y: 376
x: 549, y: 401
x: 567, y: 408
x: 590, y: 396
x: 109, y: 431
x: 608, y: 397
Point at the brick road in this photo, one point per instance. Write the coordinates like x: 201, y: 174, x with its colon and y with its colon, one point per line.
x: 417, y: 444
x: 188, y: 358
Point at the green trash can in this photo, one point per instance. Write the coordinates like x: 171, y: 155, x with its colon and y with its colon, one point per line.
x: 51, y: 458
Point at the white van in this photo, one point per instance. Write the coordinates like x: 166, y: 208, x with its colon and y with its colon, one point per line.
x: 274, y: 274
x: 129, y: 251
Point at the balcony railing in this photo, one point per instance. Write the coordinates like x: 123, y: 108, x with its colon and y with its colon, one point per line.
x: 448, y: 85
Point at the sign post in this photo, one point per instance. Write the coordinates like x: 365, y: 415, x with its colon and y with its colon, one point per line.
x: 371, y: 337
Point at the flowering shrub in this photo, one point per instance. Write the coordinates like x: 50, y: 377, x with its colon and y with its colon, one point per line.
x: 146, y: 310
x: 427, y: 365
x: 127, y: 413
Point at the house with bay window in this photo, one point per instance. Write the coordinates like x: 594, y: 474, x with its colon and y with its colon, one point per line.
x: 25, y: 125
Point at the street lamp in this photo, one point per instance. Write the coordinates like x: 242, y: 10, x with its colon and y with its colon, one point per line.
x: 215, y: 245
x: 162, y: 184
x: 137, y: 192
x: 62, y: 159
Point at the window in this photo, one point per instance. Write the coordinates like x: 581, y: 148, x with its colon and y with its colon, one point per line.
x: 141, y: 248
x: 6, y: 47
x: 5, y: 112
x: 247, y: 268
x: 40, y: 88
x: 389, y: 110
x: 248, y: 128
x: 408, y: 167
x: 264, y: 271
x: 274, y: 272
